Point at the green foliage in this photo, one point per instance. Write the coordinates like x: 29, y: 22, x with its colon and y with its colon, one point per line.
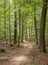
x: 27, y: 10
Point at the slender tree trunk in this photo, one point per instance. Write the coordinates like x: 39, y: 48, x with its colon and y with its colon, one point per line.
x: 5, y: 20
x: 42, y: 26
x: 35, y: 22
x: 0, y: 27
x: 31, y: 33
x: 9, y: 24
x: 15, y: 24
x: 22, y: 28
x: 26, y: 30
x: 36, y: 36
x: 19, y: 38
x: 15, y: 29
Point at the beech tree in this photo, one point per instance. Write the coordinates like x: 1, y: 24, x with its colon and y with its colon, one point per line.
x: 35, y: 23
x: 43, y: 25
x: 9, y: 24
x: 5, y: 20
x: 15, y: 23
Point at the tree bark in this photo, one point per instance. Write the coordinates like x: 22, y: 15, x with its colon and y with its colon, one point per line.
x: 15, y: 29
x: 42, y: 26
x: 5, y: 20
x: 35, y: 23
x: 9, y: 24
x: 20, y: 29
x: 15, y: 24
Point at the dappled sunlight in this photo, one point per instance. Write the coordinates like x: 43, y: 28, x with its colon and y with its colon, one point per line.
x: 28, y: 45
x: 19, y: 58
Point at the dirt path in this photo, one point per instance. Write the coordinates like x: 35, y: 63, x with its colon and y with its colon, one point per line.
x: 16, y: 57
x: 27, y: 54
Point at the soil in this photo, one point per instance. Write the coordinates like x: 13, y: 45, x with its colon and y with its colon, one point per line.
x: 26, y: 54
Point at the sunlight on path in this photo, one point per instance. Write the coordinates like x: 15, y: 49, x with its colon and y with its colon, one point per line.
x: 13, y: 61
x: 19, y: 58
x: 28, y: 45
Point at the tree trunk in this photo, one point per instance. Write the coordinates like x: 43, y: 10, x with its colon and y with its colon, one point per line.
x: 35, y: 23
x: 15, y: 29
x: 42, y: 26
x: 26, y: 30
x: 9, y: 24
x: 5, y: 20
x: 22, y: 27
x: 19, y: 38
x: 15, y: 24
x: 0, y: 27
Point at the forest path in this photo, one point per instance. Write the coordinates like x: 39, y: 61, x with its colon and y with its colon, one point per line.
x: 17, y: 56
x: 26, y: 54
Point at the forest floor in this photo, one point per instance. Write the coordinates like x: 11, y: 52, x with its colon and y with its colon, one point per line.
x: 26, y: 54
